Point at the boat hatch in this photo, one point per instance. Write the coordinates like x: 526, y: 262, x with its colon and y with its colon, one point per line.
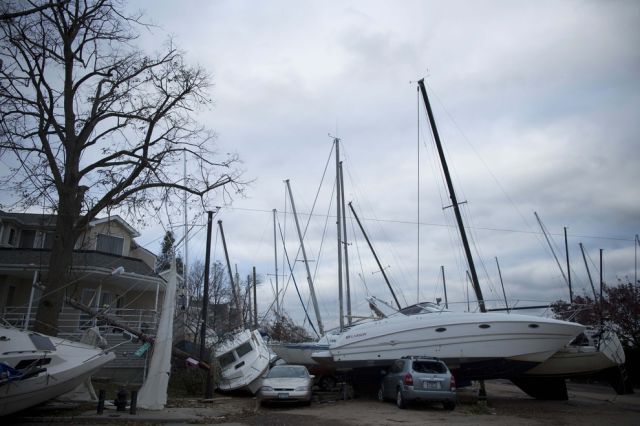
x: 42, y: 343
x: 422, y: 308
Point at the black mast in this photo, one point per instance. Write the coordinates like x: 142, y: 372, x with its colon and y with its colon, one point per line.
x: 454, y: 201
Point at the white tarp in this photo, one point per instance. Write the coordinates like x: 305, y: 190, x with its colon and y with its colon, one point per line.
x: 153, y: 393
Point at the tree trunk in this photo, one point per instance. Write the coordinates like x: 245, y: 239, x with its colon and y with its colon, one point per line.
x: 60, y: 264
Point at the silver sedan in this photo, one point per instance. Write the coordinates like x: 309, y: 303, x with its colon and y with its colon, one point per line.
x: 286, y: 383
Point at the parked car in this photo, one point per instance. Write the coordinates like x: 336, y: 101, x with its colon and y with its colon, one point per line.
x: 419, y: 379
x: 286, y: 383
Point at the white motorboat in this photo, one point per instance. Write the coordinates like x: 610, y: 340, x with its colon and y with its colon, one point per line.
x: 243, y: 359
x: 597, y: 350
x: 37, y: 368
x: 474, y: 345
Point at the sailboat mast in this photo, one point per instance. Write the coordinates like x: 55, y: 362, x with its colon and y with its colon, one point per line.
x: 346, y: 249
x: 375, y: 256
x: 456, y: 208
x: 275, y: 261
x: 236, y: 298
x: 306, y: 263
x: 566, y: 250
x: 339, y: 226
x: 444, y: 285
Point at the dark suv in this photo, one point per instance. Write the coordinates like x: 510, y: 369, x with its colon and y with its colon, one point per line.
x: 419, y: 379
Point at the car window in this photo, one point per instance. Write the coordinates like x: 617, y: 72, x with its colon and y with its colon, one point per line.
x: 397, y: 366
x: 429, y: 367
x: 287, y: 372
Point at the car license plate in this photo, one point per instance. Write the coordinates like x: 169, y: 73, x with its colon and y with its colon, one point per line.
x: 283, y: 395
x: 430, y: 385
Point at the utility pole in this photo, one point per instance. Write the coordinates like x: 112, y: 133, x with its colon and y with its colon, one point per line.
x: 255, y: 300
x: 205, y: 297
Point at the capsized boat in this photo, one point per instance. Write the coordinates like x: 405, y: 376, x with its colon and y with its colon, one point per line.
x: 474, y: 345
x: 243, y: 359
x: 36, y: 368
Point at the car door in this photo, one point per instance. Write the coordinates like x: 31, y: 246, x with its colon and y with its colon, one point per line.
x: 391, y: 379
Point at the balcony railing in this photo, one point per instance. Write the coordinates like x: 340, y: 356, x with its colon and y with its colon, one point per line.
x: 71, y: 322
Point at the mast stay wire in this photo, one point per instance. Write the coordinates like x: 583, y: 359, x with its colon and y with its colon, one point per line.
x: 296, y: 284
x: 388, y: 247
x: 452, y: 228
x: 309, y: 216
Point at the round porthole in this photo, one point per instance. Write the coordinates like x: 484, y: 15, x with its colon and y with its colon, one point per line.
x: 533, y: 326
x: 484, y: 326
x: 441, y: 329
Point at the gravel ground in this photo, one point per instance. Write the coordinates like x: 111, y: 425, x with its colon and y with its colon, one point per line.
x: 505, y: 405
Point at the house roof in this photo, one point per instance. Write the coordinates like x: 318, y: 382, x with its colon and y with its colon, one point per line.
x: 29, y: 219
x: 38, y: 220
x: 118, y: 219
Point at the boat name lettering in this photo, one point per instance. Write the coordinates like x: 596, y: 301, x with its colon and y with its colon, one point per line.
x: 351, y: 336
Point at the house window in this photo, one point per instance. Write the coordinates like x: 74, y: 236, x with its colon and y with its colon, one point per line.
x: 27, y: 239
x: 110, y: 244
x: 12, y: 237
x: 43, y: 240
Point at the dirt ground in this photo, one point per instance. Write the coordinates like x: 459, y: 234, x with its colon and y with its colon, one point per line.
x: 505, y: 405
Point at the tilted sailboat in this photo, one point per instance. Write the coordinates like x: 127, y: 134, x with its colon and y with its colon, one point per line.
x: 36, y: 368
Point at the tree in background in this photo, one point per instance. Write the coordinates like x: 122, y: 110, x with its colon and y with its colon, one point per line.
x: 283, y: 329
x: 620, y: 306
x: 167, y: 252
x: 92, y: 125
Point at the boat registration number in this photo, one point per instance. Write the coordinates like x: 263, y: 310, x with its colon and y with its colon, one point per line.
x: 283, y: 395
x: 427, y: 384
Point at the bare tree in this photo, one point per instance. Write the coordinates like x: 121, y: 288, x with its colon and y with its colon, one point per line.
x: 95, y: 125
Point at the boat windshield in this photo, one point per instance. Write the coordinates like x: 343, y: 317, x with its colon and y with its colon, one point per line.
x: 422, y: 308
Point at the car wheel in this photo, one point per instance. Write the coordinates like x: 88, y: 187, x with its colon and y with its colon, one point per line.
x: 449, y: 405
x: 327, y: 383
x: 400, y: 402
x: 381, y: 394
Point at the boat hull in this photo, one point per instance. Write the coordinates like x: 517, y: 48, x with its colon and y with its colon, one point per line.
x: 19, y: 395
x: 575, y: 360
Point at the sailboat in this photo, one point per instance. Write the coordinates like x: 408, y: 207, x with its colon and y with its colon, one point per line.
x: 35, y: 368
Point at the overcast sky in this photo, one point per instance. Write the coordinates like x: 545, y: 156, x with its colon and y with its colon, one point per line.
x: 537, y: 104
